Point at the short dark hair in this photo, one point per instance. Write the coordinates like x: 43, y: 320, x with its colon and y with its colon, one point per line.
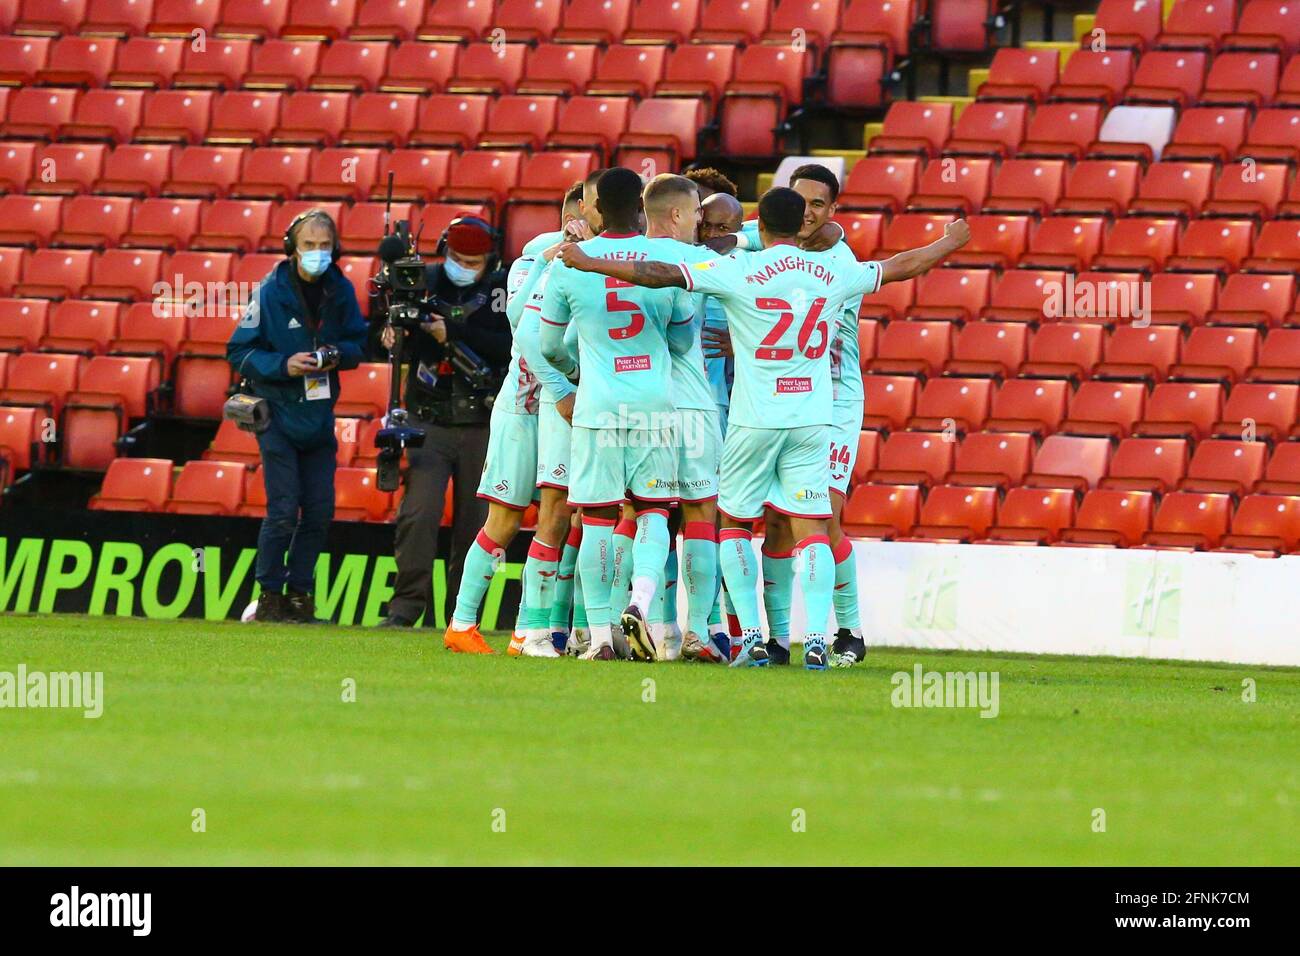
x: 573, y: 193
x: 593, y: 177
x: 818, y: 174
x: 710, y: 178
x: 781, y: 210
x: 618, y: 193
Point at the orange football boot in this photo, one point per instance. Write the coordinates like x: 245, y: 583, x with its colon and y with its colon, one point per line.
x: 466, y: 642
x: 516, y: 647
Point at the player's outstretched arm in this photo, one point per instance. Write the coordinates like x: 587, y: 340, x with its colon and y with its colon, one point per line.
x: 652, y: 275
x: 915, y: 262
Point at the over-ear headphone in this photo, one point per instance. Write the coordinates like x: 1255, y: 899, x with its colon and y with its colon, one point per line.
x: 477, y: 223
x: 302, y: 217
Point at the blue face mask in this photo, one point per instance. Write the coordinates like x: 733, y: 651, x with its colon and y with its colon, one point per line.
x: 315, y: 261
x: 457, y: 273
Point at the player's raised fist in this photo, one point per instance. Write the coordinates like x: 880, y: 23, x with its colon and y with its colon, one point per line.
x: 959, y: 231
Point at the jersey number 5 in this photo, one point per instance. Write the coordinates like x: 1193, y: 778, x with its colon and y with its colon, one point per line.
x: 813, y: 334
x: 614, y: 304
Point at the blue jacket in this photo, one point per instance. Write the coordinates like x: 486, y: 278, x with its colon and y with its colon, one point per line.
x: 274, y: 327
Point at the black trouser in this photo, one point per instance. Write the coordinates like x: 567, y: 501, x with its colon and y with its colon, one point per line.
x: 449, y: 452
x: 299, y: 508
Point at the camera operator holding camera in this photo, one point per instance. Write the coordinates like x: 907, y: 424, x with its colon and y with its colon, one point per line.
x: 299, y: 329
x: 455, y: 362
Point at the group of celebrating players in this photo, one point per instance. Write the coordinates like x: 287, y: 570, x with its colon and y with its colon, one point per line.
x: 675, y: 370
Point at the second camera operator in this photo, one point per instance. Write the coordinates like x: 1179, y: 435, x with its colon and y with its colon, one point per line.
x: 450, y: 400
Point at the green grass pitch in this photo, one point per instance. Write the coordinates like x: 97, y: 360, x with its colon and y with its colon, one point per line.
x: 446, y: 759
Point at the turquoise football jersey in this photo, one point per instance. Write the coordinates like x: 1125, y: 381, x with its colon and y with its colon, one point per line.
x: 623, y: 330
x: 555, y: 385
x: 782, y: 306
x: 691, y: 388
x: 521, y: 390
x: 845, y: 350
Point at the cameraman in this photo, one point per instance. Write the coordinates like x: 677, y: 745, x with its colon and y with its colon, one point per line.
x: 299, y: 329
x: 467, y: 300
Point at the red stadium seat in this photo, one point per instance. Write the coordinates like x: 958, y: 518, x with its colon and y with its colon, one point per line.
x: 22, y: 324
x: 320, y: 19
x: 204, y: 172
x: 591, y: 122
x: 519, y: 121
x: 124, y: 274
x: 22, y: 57
x: 272, y: 173
x: 1225, y: 467
x: 233, y: 225
x: 698, y: 70
x: 890, y: 301
x: 207, y: 487
x: 17, y: 162
x: 1250, y: 299
x: 136, y: 170
x: 108, y: 116
x: 1171, y: 188
x: 67, y: 168
x: 94, y: 221
x: 1021, y: 295
x: 352, y: 65
x: 449, y: 121
x: 912, y: 230
x: 20, y: 440
x: 992, y: 459
x: 562, y: 69
x: 862, y: 52
x: 287, y: 64
x: 914, y: 458
x: 134, y: 484
x: 988, y: 129
x: 78, y: 61
x: 660, y: 24
x: 1247, y: 189
x: 1196, y: 25
x: 148, y: 62
x: 175, y: 116
x: 1063, y: 350
x: 952, y: 405
x: 1267, y: 523
x: 913, y: 348
x: 1147, y: 464
x: 81, y: 325
x: 1190, y: 521
x: 1277, y: 248
x: 1279, y: 359
x: 1106, y: 409
x: 1207, y: 134
x: 1218, y: 245
x: 311, y: 119
x: 151, y: 331
x: 663, y: 132
x: 1168, y: 78
x: 41, y: 380
x: 1266, y: 24
x: 345, y: 174
x: 1097, y: 77
x: 218, y: 65
x: 952, y: 295
x: 1070, y: 461
x: 1217, y: 355
x: 880, y: 182
x: 594, y: 21
x: 418, y: 174
x: 992, y: 349
x: 1245, y: 79
x: 1028, y: 406
x: 363, y: 391
x: 483, y: 176
x: 862, y: 232
x: 953, y: 185
x: 111, y: 390
x: 1137, y: 244
x: 629, y: 70
x: 38, y: 113
x: 1177, y: 410
x: 1140, y: 354
x: 881, y: 511
x: 958, y: 514
x: 55, y: 273
x: 362, y: 225
x: 1061, y: 131
x: 11, y: 267
x: 1259, y: 411
x: 914, y: 128
x: 417, y: 67
x: 1110, y: 518
x: 1030, y: 186
x: 1033, y: 516
x: 1020, y: 75
x: 1065, y: 242
x: 357, y: 496
x: 1100, y: 187
x: 243, y: 118
x: 890, y: 401
x: 488, y: 68
x: 456, y: 20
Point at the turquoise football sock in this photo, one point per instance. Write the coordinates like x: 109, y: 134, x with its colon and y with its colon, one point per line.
x: 700, y: 572
x: 539, y: 582
x: 671, y: 575
x: 562, y: 601
x: 480, y: 565
x: 595, y: 559
x: 649, y: 556
x: 778, y: 593
x: 741, y: 572
x: 579, y: 605
x: 817, y: 580
x: 848, y: 612
x: 624, y: 532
